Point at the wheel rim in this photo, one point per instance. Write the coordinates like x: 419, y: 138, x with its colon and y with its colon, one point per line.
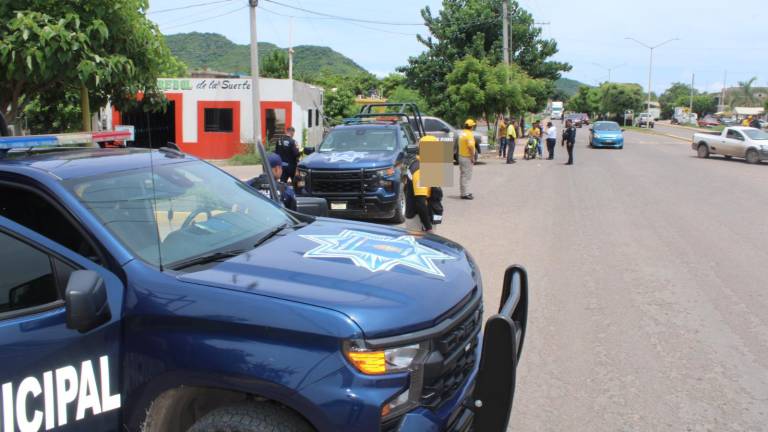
x: 752, y: 156
x: 703, y: 151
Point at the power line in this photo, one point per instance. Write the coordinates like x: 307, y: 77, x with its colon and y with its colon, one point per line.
x: 366, y: 21
x: 338, y: 19
x: 187, y: 7
x: 206, y: 18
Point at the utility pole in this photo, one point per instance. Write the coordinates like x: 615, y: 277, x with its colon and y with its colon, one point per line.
x: 609, y: 69
x: 290, y: 48
x: 650, y: 67
x: 723, y: 93
x: 256, y: 105
x: 505, y: 30
x: 693, y: 80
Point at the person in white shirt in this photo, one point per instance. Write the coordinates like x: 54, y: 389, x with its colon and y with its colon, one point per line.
x: 551, y: 140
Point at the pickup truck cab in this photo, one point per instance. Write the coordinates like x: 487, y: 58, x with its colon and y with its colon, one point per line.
x: 149, y: 290
x: 742, y: 142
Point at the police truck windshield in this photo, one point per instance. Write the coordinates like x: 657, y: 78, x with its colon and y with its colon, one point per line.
x: 359, y: 139
x: 183, y: 211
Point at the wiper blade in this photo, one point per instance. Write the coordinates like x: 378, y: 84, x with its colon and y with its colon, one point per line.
x: 208, y: 258
x: 277, y: 230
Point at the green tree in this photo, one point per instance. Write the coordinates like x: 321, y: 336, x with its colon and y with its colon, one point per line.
x: 338, y: 103
x: 745, y: 96
x: 100, y: 50
x: 402, y: 93
x: 476, y: 88
x: 704, y: 104
x: 672, y: 96
x: 391, y: 82
x: 274, y: 64
x: 618, y: 98
x: 473, y: 27
x: 586, y: 100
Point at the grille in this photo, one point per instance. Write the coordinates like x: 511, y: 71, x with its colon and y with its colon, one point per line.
x: 343, y: 182
x: 452, y: 360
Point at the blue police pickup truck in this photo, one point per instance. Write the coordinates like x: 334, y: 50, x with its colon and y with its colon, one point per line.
x: 359, y: 167
x: 149, y: 290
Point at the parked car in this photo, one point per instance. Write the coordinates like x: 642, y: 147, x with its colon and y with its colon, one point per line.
x: 606, y: 134
x: 644, y: 119
x: 708, y: 121
x: 729, y: 121
x: 742, y: 142
x: 574, y: 118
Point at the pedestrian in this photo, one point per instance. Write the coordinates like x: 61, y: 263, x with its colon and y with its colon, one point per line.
x: 755, y: 123
x: 551, y: 140
x: 467, y: 149
x: 569, y: 139
x: 423, y: 204
x: 535, y: 133
x: 746, y: 121
x: 511, y: 141
x: 288, y: 151
x: 284, y: 190
x: 502, y: 136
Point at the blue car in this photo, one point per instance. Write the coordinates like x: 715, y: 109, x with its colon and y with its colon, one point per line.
x: 147, y: 290
x: 606, y: 134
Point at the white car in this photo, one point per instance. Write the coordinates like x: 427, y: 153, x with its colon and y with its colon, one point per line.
x: 742, y: 142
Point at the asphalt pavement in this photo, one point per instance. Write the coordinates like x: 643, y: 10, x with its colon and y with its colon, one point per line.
x: 649, y: 307
x: 647, y: 265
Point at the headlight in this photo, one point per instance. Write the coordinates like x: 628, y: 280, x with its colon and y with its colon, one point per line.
x: 386, y: 172
x: 383, y: 361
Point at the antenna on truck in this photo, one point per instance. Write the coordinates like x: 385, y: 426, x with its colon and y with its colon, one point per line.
x: 154, y: 193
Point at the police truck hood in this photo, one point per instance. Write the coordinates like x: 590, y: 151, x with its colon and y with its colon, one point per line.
x: 386, y: 280
x: 349, y: 160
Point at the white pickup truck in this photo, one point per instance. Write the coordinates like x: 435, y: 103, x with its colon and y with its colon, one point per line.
x: 742, y: 142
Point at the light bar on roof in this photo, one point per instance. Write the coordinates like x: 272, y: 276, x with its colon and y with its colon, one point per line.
x: 88, y: 138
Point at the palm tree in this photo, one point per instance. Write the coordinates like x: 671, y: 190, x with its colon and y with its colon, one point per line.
x: 746, y: 95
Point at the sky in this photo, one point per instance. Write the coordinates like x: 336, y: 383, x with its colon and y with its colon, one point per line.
x: 714, y: 36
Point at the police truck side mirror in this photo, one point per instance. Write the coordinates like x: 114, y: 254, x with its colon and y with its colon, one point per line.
x: 446, y: 130
x: 309, y: 150
x: 86, y: 298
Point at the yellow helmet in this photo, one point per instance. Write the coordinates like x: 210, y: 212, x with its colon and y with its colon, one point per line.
x: 470, y: 123
x: 428, y: 138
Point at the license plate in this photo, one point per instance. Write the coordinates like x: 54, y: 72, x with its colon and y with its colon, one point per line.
x: 338, y: 206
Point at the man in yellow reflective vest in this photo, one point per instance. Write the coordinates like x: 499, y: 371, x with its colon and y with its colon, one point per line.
x: 466, y: 157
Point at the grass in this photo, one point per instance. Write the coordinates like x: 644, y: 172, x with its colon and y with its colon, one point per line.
x: 248, y: 156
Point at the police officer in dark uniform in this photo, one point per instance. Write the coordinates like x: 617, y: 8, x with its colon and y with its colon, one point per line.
x: 285, y: 191
x: 288, y: 151
x: 569, y: 139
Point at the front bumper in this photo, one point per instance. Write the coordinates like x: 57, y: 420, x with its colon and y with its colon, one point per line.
x: 367, y: 207
x: 485, y: 403
x: 608, y: 143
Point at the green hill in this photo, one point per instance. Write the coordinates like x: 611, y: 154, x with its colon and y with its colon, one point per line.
x: 568, y: 86
x: 216, y: 52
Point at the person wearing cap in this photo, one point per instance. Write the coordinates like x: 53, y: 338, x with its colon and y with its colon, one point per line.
x: 466, y: 157
x: 288, y: 151
x: 284, y: 191
x: 423, y: 204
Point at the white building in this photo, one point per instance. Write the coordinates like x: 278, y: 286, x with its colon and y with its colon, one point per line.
x: 212, y: 117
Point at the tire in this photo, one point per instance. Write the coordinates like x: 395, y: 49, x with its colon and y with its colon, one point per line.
x: 728, y: 157
x: 261, y: 417
x: 702, y: 151
x: 752, y: 157
x: 399, y: 216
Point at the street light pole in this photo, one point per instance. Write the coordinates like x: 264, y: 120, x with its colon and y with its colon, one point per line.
x: 255, y: 102
x: 609, y: 69
x: 650, y: 67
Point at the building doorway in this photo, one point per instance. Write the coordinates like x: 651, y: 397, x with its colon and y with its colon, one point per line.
x: 152, y: 128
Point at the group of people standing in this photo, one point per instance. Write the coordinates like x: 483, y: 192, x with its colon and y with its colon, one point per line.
x: 507, y: 134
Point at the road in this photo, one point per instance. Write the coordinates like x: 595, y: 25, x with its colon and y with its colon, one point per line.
x: 649, y: 308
